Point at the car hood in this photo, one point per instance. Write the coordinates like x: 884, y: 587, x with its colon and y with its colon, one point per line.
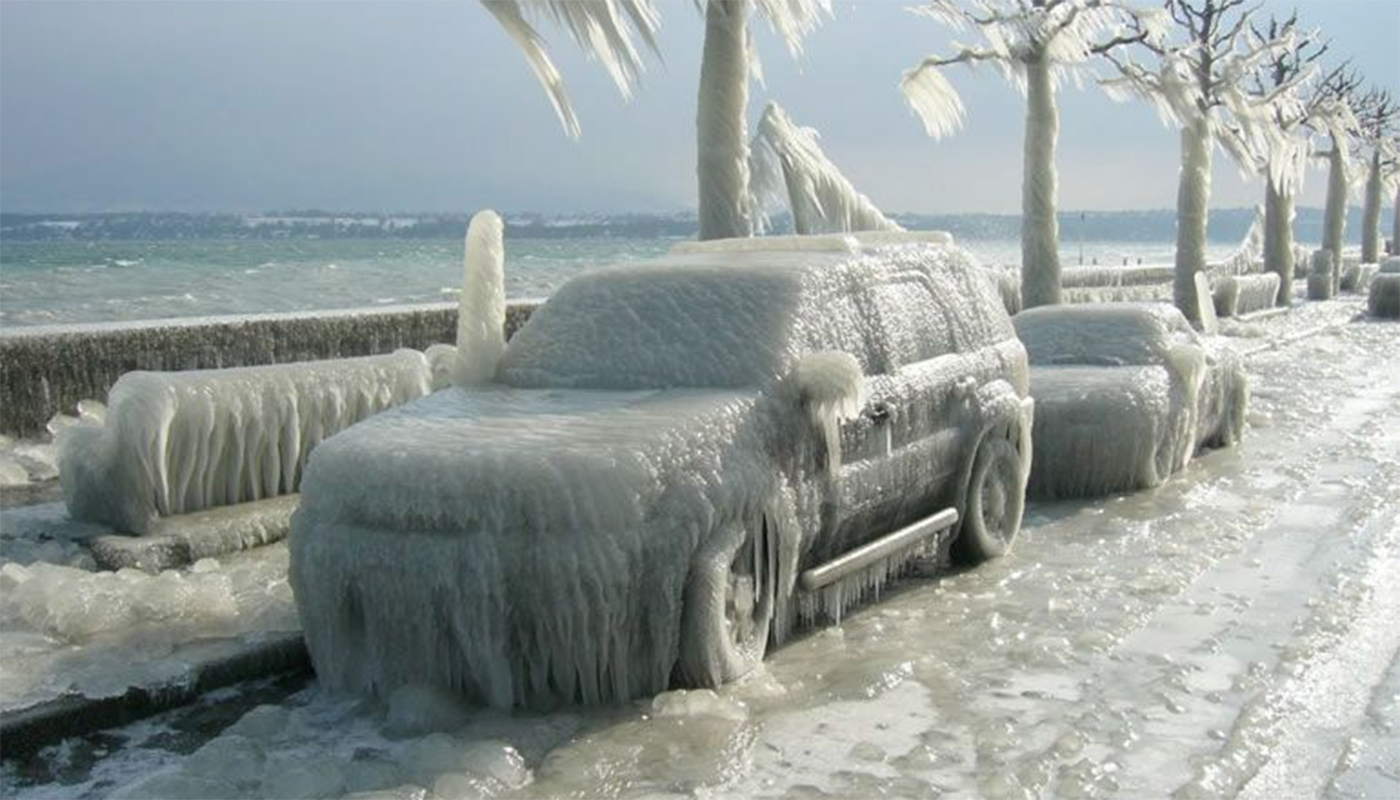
x: 548, y: 462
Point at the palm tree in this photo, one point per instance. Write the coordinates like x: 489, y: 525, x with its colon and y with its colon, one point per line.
x: 1035, y: 45
x: 604, y: 28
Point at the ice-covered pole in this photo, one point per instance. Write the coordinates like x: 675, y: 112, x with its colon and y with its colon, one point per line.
x: 1192, y: 197
x: 481, y: 314
x: 1334, y: 217
x: 722, y: 164
x: 1278, y: 238
x: 1040, y: 231
x: 1371, y: 213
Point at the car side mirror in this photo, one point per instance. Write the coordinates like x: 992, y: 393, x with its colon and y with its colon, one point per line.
x: 827, y: 387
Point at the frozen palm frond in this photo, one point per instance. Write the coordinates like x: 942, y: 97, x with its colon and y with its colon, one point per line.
x: 794, y: 19
x: 933, y: 98
x: 822, y: 200
x: 604, y: 29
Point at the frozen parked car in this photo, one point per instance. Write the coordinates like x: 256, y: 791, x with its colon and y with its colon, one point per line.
x: 668, y: 450
x: 1125, y: 394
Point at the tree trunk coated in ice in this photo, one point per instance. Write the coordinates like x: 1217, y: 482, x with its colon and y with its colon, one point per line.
x: 1334, y: 218
x: 721, y: 126
x: 1278, y: 239
x: 1192, y: 203
x: 1395, y: 229
x: 1371, y: 213
x: 1040, y: 232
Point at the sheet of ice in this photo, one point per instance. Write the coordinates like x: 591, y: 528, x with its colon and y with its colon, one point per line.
x: 185, y: 441
x: 481, y: 314
x: 1128, y: 334
x: 97, y: 633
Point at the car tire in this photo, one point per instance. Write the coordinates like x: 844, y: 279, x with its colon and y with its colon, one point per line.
x: 730, y: 596
x: 996, y: 499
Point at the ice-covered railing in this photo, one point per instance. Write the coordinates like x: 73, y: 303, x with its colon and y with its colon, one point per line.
x: 178, y: 442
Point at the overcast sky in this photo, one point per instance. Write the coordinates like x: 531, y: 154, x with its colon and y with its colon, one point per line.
x: 426, y: 106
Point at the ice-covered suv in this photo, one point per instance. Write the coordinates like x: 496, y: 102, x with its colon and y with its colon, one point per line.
x: 675, y: 462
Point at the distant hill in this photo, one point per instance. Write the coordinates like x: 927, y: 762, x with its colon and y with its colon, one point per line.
x: 1227, y: 225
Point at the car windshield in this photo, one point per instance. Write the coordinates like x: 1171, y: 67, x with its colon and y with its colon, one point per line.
x: 1123, y: 335
x: 660, y: 326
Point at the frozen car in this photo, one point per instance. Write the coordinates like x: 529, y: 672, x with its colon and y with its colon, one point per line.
x: 668, y: 450
x: 1125, y: 394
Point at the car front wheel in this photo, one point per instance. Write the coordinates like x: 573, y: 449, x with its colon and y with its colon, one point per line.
x: 996, y: 498
x: 729, y: 602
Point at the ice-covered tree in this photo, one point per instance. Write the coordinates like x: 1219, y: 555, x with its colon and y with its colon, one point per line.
x: 1035, y: 44
x: 1297, y: 112
x: 1378, y: 117
x: 605, y: 29
x: 1200, y: 85
x: 722, y: 134
x: 1343, y: 89
x: 788, y: 164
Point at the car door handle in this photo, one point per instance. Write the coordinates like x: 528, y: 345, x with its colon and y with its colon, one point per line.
x: 879, y: 413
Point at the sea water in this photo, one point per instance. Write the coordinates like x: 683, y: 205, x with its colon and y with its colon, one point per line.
x: 58, y: 282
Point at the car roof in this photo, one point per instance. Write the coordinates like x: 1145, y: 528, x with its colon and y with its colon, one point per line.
x: 1102, y: 333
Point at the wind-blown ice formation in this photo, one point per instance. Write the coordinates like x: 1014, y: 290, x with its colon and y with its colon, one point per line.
x: 587, y: 527
x: 481, y: 315
x: 1124, y: 396
x: 787, y: 162
x: 176, y: 442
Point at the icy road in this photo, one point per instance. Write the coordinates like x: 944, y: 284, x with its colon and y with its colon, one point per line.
x: 1232, y: 634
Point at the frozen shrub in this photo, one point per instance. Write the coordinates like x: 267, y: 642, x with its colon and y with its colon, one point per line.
x: 1384, y: 300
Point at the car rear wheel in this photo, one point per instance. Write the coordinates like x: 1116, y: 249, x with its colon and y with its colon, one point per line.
x: 996, y: 499
x: 729, y: 601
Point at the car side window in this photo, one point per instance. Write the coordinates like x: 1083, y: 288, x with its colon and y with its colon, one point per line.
x: 914, y: 324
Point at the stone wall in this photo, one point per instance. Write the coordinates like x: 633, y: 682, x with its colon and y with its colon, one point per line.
x: 45, y: 370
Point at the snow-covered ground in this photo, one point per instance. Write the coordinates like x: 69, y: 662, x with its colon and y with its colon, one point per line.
x: 1235, y: 632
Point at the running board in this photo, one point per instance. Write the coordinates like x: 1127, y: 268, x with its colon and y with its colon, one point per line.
x: 834, y: 586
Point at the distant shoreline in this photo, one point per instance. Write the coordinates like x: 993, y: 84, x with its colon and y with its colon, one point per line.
x: 1227, y: 225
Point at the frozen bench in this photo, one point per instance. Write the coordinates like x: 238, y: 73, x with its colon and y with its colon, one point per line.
x: 1236, y: 295
x: 181, y: 442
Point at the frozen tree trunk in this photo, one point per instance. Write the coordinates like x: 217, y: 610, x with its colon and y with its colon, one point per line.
x: 1192, y: 202
x: 1334, y: 218
x: 721, y: 126
x: 1040, y: 231
x: 1371, y: 214
x: 1395, y: 228
x: 1278, y: 239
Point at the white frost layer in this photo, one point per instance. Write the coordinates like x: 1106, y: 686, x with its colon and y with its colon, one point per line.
x: 1245, y: 294
x: 1104, y: 334
x: 176, y: 442
x: 481, y: 314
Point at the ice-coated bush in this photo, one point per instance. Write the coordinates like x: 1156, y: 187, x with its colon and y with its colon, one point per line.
x: 1384, y: 299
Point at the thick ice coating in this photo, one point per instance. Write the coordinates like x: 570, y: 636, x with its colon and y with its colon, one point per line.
x: 1245, y: 294
x: 634, y: 498
x: 176, y: 442
x: 1125, y: 394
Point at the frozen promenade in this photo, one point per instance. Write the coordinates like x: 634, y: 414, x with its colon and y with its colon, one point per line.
x: 1232, y: 634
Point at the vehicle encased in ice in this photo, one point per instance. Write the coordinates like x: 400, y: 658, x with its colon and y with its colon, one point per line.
x: 1126, y: 394
x: 666, y: 447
